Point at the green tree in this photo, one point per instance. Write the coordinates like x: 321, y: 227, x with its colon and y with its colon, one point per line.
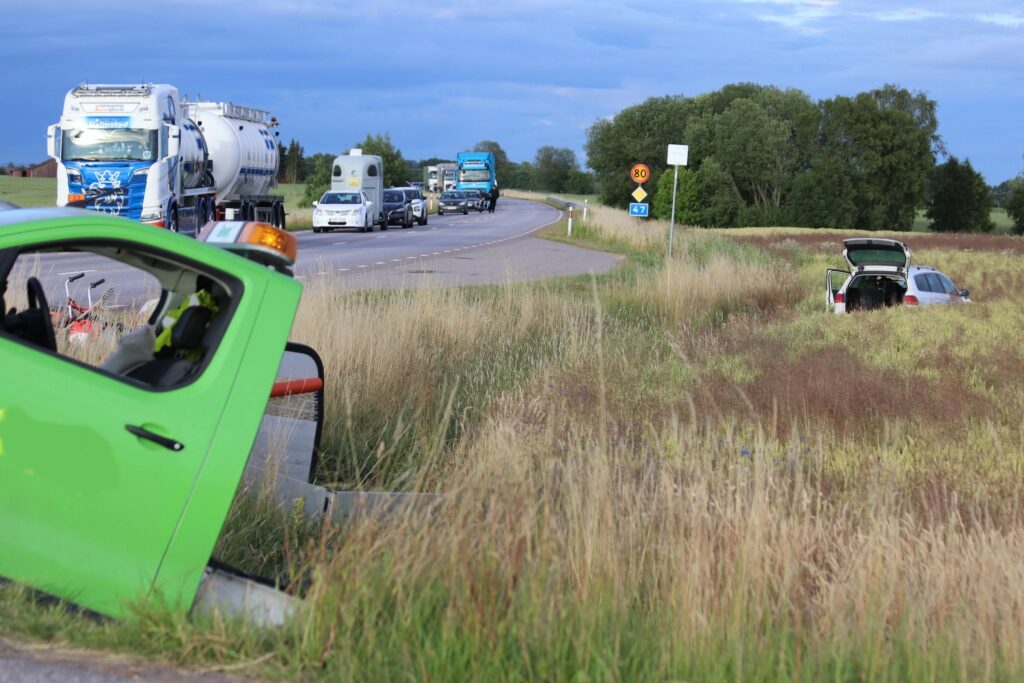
x: 961, y: 200
x: 759, y: 135
x: 637, y: 134
x: 554, y: 165
x: 282, y: 162
x: 318, y: 176
x: 687, y: 204
x: 292, y: 161
x: 396, y: 173
x: 880, y: 144
x: 1015, y: 205
x: 718, y: 202
x: 501, y: 162
x: 579, y: 182
x: 519, y: 176
x: 821, y: 198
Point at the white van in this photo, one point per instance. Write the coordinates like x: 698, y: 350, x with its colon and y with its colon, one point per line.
x: 356, y: 172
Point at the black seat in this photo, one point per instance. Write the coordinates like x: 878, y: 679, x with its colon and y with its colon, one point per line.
x: 176, y: 362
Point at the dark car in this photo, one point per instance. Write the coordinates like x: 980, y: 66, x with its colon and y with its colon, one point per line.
x: 452, y: 202
x: 397, y: 209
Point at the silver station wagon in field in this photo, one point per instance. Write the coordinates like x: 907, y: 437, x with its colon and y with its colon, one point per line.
x: 881, y: 276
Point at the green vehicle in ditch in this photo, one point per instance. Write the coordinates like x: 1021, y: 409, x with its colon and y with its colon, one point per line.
x: 117, y: 473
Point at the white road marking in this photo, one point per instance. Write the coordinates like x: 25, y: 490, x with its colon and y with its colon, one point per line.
x: 380, y: 263
x: 76, y: 272
x: 380, y: 237
x: 342, y: 270
x: 396, y: 260
x: 340, y: 242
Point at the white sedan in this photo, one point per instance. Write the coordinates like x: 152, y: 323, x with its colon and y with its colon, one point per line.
x: 342, y: 210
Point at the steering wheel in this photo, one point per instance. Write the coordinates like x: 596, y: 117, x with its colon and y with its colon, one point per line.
x: 40, y: 315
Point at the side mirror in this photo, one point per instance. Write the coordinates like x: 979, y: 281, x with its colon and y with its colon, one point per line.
x: 173, y: 140
x: 52, y: 136
x: 369, y: 203
x: 965, y: 293
x: 316, y: 203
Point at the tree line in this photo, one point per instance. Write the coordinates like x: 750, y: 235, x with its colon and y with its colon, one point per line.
x: 765, y: 156
x: 554, y: 169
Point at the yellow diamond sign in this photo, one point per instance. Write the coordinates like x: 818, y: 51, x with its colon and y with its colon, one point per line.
x: 639, y: 193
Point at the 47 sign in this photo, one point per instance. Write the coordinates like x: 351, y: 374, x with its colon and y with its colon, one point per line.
x: 640, y: 173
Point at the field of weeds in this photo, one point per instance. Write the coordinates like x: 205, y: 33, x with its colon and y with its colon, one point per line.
x: 683, y: 470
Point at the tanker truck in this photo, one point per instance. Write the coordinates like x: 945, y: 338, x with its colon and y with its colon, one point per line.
x: 138, y: 151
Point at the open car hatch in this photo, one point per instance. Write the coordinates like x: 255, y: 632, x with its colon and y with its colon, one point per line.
x: 869, y: 253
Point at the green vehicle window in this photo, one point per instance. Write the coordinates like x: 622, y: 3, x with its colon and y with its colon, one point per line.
x: 140, y: 315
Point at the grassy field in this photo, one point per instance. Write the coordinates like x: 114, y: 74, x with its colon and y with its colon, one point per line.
x: 27, y: 192
x: 682, y: 470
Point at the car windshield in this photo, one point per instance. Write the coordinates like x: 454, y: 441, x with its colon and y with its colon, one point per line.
x: 475, y: 175
x: 450, y: 195
x: 341, y: 198
x: 393, y: 197
x: 109, y: 144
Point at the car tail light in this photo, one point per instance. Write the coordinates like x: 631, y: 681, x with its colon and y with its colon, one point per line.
x: 910, y: 300
x: 840, y: 298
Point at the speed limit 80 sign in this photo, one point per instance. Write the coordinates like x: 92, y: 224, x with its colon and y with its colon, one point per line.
x: 640, y: 173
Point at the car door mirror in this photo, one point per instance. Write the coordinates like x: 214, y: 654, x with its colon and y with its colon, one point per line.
x: 965, y: 293
x: 316, y: 204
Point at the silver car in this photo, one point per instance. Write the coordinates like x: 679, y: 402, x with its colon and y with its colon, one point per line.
x: 881, y: 276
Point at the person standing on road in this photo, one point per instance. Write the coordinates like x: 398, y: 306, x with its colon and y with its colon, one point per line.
x: 493, y: 195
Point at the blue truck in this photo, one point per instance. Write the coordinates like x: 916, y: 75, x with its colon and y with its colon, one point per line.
x: 476, y: 171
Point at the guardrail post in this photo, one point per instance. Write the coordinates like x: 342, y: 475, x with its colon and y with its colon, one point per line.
x: 585, y: 202
x: 570, y: 222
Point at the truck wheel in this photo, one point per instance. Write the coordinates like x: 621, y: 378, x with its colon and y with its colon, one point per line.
x: 315, y: 229
x: 172, y: 225
x: 282, y: 221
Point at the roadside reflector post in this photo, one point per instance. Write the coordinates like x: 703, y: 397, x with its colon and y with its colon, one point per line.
x: 678, y: 155
x: 585, y: 202
x: 570, y: 222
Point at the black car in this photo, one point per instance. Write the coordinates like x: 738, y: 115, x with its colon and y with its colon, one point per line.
x: 452, y: 202
x: 397, y: 209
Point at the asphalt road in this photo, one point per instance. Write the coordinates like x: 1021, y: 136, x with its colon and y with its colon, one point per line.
x: 479, y: 248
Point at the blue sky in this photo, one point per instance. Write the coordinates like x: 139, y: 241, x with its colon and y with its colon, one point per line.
x: 442, y: 75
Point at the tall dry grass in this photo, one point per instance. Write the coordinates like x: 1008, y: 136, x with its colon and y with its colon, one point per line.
x: 647, y: 476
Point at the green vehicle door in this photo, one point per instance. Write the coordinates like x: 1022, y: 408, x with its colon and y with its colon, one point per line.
x: 114, y: 487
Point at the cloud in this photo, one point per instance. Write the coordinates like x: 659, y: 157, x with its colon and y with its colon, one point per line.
x: 905, y: 14
x: 1008, y: 20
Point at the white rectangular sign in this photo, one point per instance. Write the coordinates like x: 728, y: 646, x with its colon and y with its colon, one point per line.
x: 678, y: 155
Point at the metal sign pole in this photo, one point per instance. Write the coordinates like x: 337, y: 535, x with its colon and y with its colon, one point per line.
x: 672, y: 221
x: 678, y: 155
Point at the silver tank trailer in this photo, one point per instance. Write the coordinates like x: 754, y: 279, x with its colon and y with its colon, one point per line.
x: 243, y: 150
